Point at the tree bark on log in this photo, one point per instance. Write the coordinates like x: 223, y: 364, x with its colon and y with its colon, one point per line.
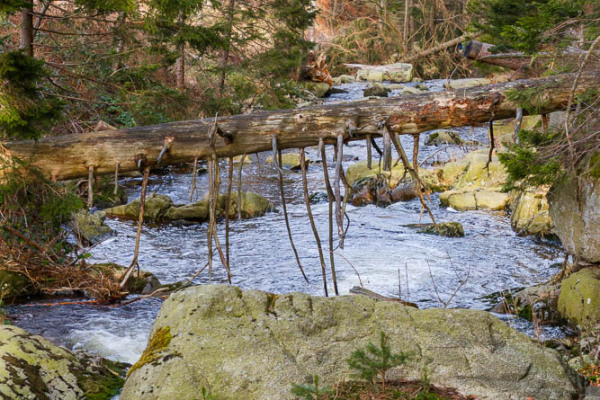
x: 70, y: 156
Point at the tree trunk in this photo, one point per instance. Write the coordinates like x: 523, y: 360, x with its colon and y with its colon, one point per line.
x: 70, y: 156
x: 27, y: 28
x: 225, y: 56
x: 180, y: 66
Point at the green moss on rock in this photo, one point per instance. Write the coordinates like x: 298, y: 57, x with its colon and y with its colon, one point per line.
x: 579, y: 299
x: 158, y: 342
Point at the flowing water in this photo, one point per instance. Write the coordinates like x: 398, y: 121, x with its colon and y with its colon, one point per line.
x: 380, y: 251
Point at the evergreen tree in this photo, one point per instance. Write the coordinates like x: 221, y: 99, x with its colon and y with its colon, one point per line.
x: 25, y: 109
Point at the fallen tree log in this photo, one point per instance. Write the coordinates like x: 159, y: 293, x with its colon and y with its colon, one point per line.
x: 480, y: 51
x: 72, y: 156
x: 432, y: 50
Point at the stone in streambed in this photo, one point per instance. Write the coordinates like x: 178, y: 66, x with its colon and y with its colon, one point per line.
x: 447, y: 229
x: 254, y: 345
x: 319, y: 89
x: 443, y: 137
x: 530, y: 213
x: 490, y: 200
x: 90, y: 228
x: 289, y: 161
x: 376, y: 90
x: 155, y: 208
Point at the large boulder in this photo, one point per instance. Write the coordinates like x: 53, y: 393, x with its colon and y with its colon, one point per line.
x: 575, y: 210
x: 579, y: 299
x: 33, y: 368
x: 255, y: 345
x: 530, y: 215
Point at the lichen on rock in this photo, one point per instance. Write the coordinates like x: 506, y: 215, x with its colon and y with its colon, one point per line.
x: 33, y: 368
x: 253, y: 345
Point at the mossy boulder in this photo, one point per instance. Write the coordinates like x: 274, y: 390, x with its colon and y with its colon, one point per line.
x: 473, y: 172
x: 161, y: 208
x: 575, y: 210
x: 474, y: 200
x: 33, y: 368
x: 14, y: 285
x: 452, y: 170
x: 155, y: 208
x: 195, y: 212
x: 90, y: 228
x: 376, y: 90
x: 460, y: 201
x: 443, y: 137
x: 447, y: 229
x: 579, y: 299
x: 530, y: 213
x: 255, y: 345
x: 319, y: 89
x: 490, y: 200
x: 289, y: 161
x: 253, y: 205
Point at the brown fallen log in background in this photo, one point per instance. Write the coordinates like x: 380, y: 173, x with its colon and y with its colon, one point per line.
x: 480, y: 51
x: 71, y: 156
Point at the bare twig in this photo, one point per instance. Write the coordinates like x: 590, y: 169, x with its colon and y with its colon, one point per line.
x: 312, y: 220
x: 330, y: 198
x: 277, y: 163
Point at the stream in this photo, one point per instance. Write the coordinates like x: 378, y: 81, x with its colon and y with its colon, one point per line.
x: 380, y: 251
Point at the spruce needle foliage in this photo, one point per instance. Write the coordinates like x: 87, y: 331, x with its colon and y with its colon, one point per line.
x: 373, y: 362
x: 312, y: 392
x: 25, y: 109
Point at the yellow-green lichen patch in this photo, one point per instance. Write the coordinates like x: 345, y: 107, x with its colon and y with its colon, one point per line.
x: 158, y: 342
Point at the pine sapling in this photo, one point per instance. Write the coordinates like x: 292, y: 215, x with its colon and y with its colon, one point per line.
x: 311, y: 392
x: 373, y: 362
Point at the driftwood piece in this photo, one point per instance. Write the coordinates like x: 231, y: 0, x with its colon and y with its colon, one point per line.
x: 70, y: 156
